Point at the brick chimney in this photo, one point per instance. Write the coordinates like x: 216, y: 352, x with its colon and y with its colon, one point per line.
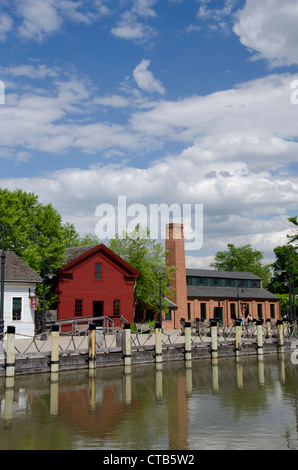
x: 176, y: 257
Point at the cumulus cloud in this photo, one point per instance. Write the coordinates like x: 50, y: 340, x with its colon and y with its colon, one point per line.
x: 146, y: 80
x: 269, y: 28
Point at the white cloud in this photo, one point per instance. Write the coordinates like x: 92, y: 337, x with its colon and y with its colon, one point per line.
x: 146, y: 80
x: 237, y: 145
x: 6, y: 25
x: 129, y: 28
x: 269, y: 28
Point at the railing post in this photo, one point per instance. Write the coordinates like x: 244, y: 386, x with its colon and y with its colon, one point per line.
x: 213, y: 325
x: 92, y: 345
x: 238, y: 345
x: 127, y: 345
x: 187, y: 350
x: 10, y: 353
x: 158, y: 343
x: 268, y: 324
x: 260, y: 337
x: 54, y: 363
x: 280, y: 336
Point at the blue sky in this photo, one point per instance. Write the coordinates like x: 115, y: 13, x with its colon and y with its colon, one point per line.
x: 161, y: 101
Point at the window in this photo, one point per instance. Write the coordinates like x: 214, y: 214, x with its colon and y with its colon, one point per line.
x: 188, y: 312
x: 116, y: 307
x: 203, y: 312
x: 168, y: 315
x: 272, y: 311
x: 16, y: 308
x: 233, y: 311
x: 98, y: 271
x: 78, y: 308
x: 260, y: 311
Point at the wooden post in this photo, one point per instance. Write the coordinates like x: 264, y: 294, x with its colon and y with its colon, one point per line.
x: 260, y: 337
x: 187, y: 350
x: 92, y: 346
x: 54, y: 363
x: 10, y: 353
x: 268, y: 324
x: 158, y: 343
x: 213, y: 325
x: 238, y: 346
x: 280, y: 336
x: 127, y: 345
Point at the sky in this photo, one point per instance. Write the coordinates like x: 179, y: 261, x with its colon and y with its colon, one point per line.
x: 174, y: 102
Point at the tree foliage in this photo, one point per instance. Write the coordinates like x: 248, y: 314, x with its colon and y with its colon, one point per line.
x: 34, y: 231
x: 242, y: 259
x: 148, y: 257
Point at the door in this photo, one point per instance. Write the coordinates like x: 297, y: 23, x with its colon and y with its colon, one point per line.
x: 98, y: 308
x: 218, y: 314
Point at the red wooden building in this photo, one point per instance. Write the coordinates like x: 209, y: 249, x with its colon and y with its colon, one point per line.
x: 95, y: 282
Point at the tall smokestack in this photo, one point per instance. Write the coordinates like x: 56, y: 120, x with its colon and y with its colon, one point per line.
x: 176, y: 257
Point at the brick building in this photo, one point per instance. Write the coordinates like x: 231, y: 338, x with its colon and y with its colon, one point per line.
x: 207, y: 294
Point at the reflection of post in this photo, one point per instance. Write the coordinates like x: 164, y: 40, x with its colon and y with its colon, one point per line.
x: 239, y: 374
x: 8, y: 403
x: 281, y: 366
x: 54, y: 394
x: 188, y: 377
x: 92, y: 390
x: 158, y: 382
x: 215, y: 382
x: 261, y: 372
x: 127, y: 385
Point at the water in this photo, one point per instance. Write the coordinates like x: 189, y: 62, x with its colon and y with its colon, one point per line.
x: 251, y: 405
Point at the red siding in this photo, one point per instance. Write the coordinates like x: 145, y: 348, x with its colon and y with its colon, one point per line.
x: 77, y: 281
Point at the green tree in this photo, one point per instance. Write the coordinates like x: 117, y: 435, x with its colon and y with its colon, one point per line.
x: 294, y: 238
x: 148, y: 257
x: 242, y: 259
x: 36, y: 234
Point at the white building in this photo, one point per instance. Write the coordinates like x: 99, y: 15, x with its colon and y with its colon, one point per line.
x: 20, y: 282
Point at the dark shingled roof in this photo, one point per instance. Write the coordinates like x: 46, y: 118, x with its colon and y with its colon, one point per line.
x: 230, y: 293
x: 17, y: 270
x: 221, y: 274
x: 76, y: 252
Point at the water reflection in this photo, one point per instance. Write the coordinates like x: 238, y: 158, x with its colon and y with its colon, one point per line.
x: 239, y: 403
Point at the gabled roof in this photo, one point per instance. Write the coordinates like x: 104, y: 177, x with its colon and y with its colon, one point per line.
x: 17, y: 270
x: 230, y: 293
x: 77, y: 255
x: 221, y: 274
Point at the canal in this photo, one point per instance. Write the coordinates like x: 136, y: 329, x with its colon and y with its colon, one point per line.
x: 246, y: 405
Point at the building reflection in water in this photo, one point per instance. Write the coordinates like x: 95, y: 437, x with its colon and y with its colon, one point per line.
x: 118, y: 407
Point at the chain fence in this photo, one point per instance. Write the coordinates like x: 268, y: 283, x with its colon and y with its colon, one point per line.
x: 109, y: 336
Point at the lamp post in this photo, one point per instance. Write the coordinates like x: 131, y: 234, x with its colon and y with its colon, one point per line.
x: 2, y: 289
x: 162, y: 274
x: 50, y: 276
